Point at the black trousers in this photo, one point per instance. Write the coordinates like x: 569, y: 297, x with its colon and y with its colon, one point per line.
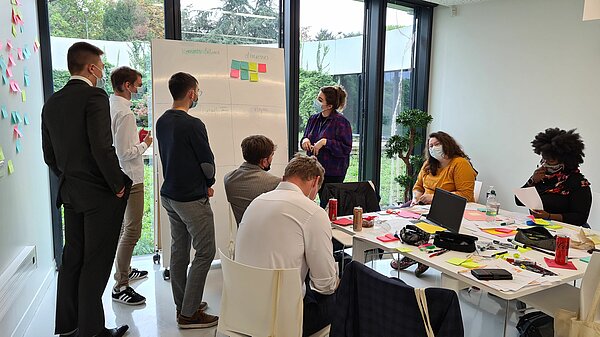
x: 328, y: 180
x: 91, y: 238
x: 318, y: 311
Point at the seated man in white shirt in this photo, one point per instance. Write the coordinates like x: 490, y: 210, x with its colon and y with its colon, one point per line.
x: 285, y: 228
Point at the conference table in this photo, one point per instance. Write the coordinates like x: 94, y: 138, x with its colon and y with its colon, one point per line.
x: 458, y: 277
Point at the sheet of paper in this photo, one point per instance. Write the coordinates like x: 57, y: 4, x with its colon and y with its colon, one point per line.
x: 591, y: 10
x: 529, y: 197
x: 430, y: 228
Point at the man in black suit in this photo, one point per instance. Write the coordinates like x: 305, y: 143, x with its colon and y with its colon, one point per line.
x: 77, y: 144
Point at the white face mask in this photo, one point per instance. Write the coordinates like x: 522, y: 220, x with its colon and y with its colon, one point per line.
x: 100, y: 81
x: 313, y: 191
x: 436, y: 152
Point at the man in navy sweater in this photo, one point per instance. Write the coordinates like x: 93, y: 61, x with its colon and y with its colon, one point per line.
x: 189, y: 172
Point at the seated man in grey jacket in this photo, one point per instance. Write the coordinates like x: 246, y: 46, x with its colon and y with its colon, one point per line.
x: 251, y: 179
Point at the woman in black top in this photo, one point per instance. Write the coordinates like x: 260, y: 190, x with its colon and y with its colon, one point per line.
x: 564, y: 191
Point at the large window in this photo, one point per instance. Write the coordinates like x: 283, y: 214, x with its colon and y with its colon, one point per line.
x: 399, y: 60
x: 250, y: 22
x: 331, y: 52
x: 123, y: 30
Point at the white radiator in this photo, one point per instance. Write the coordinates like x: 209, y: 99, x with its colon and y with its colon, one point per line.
x: 14, y: 277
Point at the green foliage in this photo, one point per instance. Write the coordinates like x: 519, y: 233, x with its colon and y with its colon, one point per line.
x: 77, y: 19
x: 146, y: 243
x: 310, y: 83
x: 119, y: 20
x: 60, y: 78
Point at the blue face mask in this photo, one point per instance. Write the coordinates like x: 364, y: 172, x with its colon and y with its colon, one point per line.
x: 136, y: 95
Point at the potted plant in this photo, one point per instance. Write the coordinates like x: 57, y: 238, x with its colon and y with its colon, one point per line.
x: 403, y: 145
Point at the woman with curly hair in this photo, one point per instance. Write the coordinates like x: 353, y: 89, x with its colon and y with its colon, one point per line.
x: 565, y: 193
x: 446, y: 167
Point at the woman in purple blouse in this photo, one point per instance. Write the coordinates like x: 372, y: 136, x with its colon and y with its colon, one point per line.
x: 328, y: 135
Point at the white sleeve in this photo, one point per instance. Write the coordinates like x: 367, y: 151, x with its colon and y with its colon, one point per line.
x: 126, y: 138
x: 319, y: 253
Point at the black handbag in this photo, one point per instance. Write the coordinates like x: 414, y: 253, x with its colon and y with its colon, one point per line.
x: 536, y: 236
x: 455, y: 241
x: 413, y: 235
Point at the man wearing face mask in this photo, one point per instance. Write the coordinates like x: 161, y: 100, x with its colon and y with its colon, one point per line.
x: 126, y: 84
x: 77, y: 144
x: 565, y: 193
x: 251, y: 179
x: 189, y: 172
x: 284, y: 228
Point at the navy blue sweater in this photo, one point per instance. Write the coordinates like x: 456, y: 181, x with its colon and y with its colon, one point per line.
x: 187, y: 161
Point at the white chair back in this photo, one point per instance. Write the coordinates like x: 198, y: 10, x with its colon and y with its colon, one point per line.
x: 591, y: 280
x: 260, y: 302
x: 477, y: 190
x: 594, y: 218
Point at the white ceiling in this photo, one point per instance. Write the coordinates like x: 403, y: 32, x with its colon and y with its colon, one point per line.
x: 455, y: 2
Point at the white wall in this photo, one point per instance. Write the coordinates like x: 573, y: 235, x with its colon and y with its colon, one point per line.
x: 504, y: 70
x: 24, y: 195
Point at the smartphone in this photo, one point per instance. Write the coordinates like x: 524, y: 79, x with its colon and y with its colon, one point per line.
x: 491, y: 274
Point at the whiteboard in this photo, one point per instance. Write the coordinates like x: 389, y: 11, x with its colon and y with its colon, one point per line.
x: 231, y: 108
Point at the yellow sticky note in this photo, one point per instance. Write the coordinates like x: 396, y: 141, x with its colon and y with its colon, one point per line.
x: 252, y: 66
x: 429, y: 228
x: 14, y: 30
x: 554, y: 226
x: 470, y: 264
x: 457, y: 261
x: 253, y: 77
x: 595, y: 239
x: 23, y: 96
x: 1, y: 153
x: 404, y: 250
x: 541, y: 222
x: 11, y: 168
x: 523, y: 250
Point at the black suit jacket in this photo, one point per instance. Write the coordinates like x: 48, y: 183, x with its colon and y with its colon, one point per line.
x: 77, y: 143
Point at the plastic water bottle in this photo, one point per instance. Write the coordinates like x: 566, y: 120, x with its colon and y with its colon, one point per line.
x: 491, y: 205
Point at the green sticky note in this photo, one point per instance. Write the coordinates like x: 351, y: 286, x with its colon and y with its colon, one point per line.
x: 235, y: 64
x: 23, y: 96
x: 542, y: 222
x: 457, y: 261
x: 11, y: 168
x: 404, y: 250
x: 1, y: 154
x: 14, y: 30
x: 244, y: 65
x: 585, y: 259
x: 470, y: 264
x: 4, y: 78
x: 26, y: 80
x: 523, y: 250
x: 4, y: 112
x: 244, y: 75
x: 253, y: 77
x: 253, y: 66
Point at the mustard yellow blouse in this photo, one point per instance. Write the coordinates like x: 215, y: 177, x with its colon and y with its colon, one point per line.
x: 458, y: 177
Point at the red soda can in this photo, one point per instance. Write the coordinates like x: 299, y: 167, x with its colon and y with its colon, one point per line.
x: 561, y: 255
x: 333, y: 203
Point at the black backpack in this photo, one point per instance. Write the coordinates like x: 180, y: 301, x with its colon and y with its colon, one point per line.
x: 536, y: 324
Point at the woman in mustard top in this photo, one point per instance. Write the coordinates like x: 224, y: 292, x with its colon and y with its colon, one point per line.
x: 447, y: 167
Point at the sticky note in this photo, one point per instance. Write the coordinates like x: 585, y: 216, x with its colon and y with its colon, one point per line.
x: 20, y: 54
x: 457, y: 261
x: 429, y: 228
x: 253, y: 77
x: 26, y: 53
x: 244, y: 65
x: 36, y: 45
x: 252, y: 66
x: 1, y: 153
x: 583, y: 259
x: 4, y: 112
x: 23, y: 96
x: 4, y: 79
x: 542, y: 222
x: 554, y: 226
x: 595, y: 239
x: 470, y: 264
x: 404, y: 250
x: 262, y: 68
x: 11, y: 61
x: 18, y: 146
x: 235, y: 64
x: 17, y: 132
x: 14, y: 30
x: 26, y: 119
x: 17, y: 117
x: 26, y: 80
x: 244, y: 75
x: 2, y: 63
x: 9, y: 72
x: 234, y: 73
x: 11, y: 168
x: 13, y: 118
x: 9, y: 45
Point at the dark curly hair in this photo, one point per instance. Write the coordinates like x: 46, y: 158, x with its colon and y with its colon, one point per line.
x: 450, y: 147
x: 564, y: 146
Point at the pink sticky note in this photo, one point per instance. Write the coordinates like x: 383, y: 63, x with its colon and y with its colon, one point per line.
x: 20, y: 54
x: 9, y: 45
x: 408, y: 214
x: 262, y: 68
x: 552, y: 264
x: 504, y: 230
x: 36, y: 45
x: 474, y: 215
x: 11, y: 61
x: 234, y: 73
x: 17, y: 132
x: 14, y: 86
x: 9, y: 72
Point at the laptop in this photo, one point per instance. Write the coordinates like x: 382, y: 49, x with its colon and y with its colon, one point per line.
x: 447, y: 210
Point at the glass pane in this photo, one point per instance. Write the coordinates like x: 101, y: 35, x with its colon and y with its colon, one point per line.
x: 250, y: 22
x: 123, y: 30
x: 331, y: 52
x: 397, y: 88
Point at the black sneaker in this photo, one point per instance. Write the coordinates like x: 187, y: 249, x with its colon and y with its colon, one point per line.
x: 128, y: 296
x: 135, y: 274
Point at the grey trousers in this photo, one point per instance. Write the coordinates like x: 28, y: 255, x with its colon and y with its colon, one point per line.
x: 192, y: 225
x: 130, y: 234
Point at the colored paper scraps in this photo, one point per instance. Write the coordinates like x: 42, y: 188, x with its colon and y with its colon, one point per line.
x: 500, y: 232
x: 11, y: 167
x: 467, y: 263
x: 404, y: 250
x: 473, y: 215
x: 552, y: 264
x: 429, y: 228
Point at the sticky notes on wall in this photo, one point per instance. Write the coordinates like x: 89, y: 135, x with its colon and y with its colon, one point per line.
x: 1, y: 153
x: 3, y: 112
x: 11, y: 167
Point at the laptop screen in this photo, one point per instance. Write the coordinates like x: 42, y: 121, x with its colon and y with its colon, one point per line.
x: 447, y: 210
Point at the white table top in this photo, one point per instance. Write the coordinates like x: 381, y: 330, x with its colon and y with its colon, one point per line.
x: 386, y: 223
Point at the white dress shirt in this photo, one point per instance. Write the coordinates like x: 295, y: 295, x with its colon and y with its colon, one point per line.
x: 285, y: 229
x: 126, y: 139
x: 77, y: 77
